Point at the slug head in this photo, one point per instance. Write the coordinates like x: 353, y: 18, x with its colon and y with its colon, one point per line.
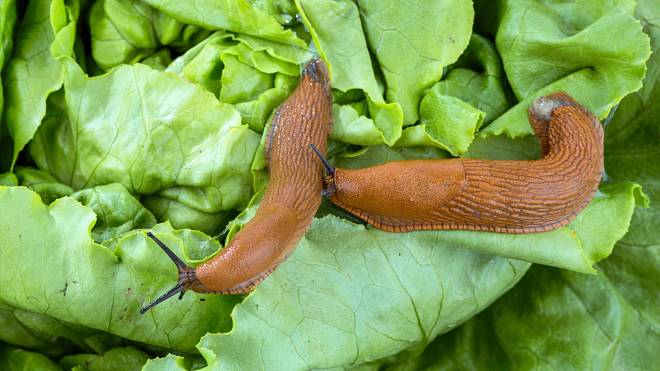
x: 317, y: 71
x: 187, y: 277
x: 542, y: 107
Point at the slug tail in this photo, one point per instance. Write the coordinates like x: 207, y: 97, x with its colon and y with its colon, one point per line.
x: 540, y: 115
x: 329, y: 187
x: 187, y: 277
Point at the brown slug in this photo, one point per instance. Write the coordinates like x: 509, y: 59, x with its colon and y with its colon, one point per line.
x: 484, y: 195
x: 290, y: 201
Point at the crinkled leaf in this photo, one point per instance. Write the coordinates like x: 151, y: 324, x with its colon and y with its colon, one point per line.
x: 478, y: 79
x: 255, y: 81
x: 180, y: 215
x: 351, y: 266
x: 349, y: 126
x: 149, y: 131
x: 43, y: 183
x: 117, y: 211
x: 339, y: 38
x: 119, y: 359
x: 241, y: 82
x: 283, y: 10
x: 74, y: 280
x: 8, y: 179
x: 158, y: 60
x: 121, y: 32
x: 15, y: 359
x: 172, y: 362
x: 558, y: 319
x: 7, y: 22
x: 231, y: 15
x: 453, y: 109
x: 33, y: 73
x: 201, y: 64
x: 632, y: 144
x: 128, y: 31
x: 53, y: 337
x: 413, y: 41
x: 323, y: 307
x: 14, y: 331
x: 593, y: 50
x: 446, y: 122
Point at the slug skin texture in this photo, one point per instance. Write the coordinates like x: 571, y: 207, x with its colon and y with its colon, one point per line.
x: 293, y: 194
x: 486, y: 195
x: 289, y: 204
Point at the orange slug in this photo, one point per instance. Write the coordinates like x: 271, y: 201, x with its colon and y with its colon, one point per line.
x: 288, y: 205
x: 484, y: 195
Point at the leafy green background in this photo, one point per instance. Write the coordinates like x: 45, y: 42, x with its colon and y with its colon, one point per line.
x: 120, y: 116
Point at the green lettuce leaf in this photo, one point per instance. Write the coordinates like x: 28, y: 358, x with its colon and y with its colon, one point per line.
x: 167, y: 206
x: 334, y: 25
x: 413, y: 42
x: 632, y: 148
x: 231, y: 15
x: 52, y: 336
x: 558, y: 319
x: 15, y: 359
x: 8, y: 179
x: 7, y: 22
x: 43, y: 183
x: 68, y: 277
x: 453, y: 109
x: 127, y: 32
x: 446, y: 122
x: 161, y: 135
x: 47, y: 31
x: 253, y: 78
x: 594, y: 50
x: 124, y: 358
x: 323, y: 307
x: 139, y: 144
x: 172, y: 362
x: 15, y: 329
x: 158, y: 60
x: 478, y: 79
x: 349, y: 267
x: 117, y: 211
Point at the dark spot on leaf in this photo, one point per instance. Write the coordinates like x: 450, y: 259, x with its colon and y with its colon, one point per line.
x: 202, y: 299
x: 20, y: 237
x: 66, y: 287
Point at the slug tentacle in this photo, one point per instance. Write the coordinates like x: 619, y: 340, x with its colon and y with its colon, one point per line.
x: 329, y: 187
x: 187, y: 278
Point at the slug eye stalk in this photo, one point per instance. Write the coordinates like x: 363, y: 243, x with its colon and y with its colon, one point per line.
x: 187, y: 278
x: 329, y: 187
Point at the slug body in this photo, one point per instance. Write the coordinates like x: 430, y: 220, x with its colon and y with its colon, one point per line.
x: 293, y: 194
x: 485, y: 195
x: 289, y: 204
